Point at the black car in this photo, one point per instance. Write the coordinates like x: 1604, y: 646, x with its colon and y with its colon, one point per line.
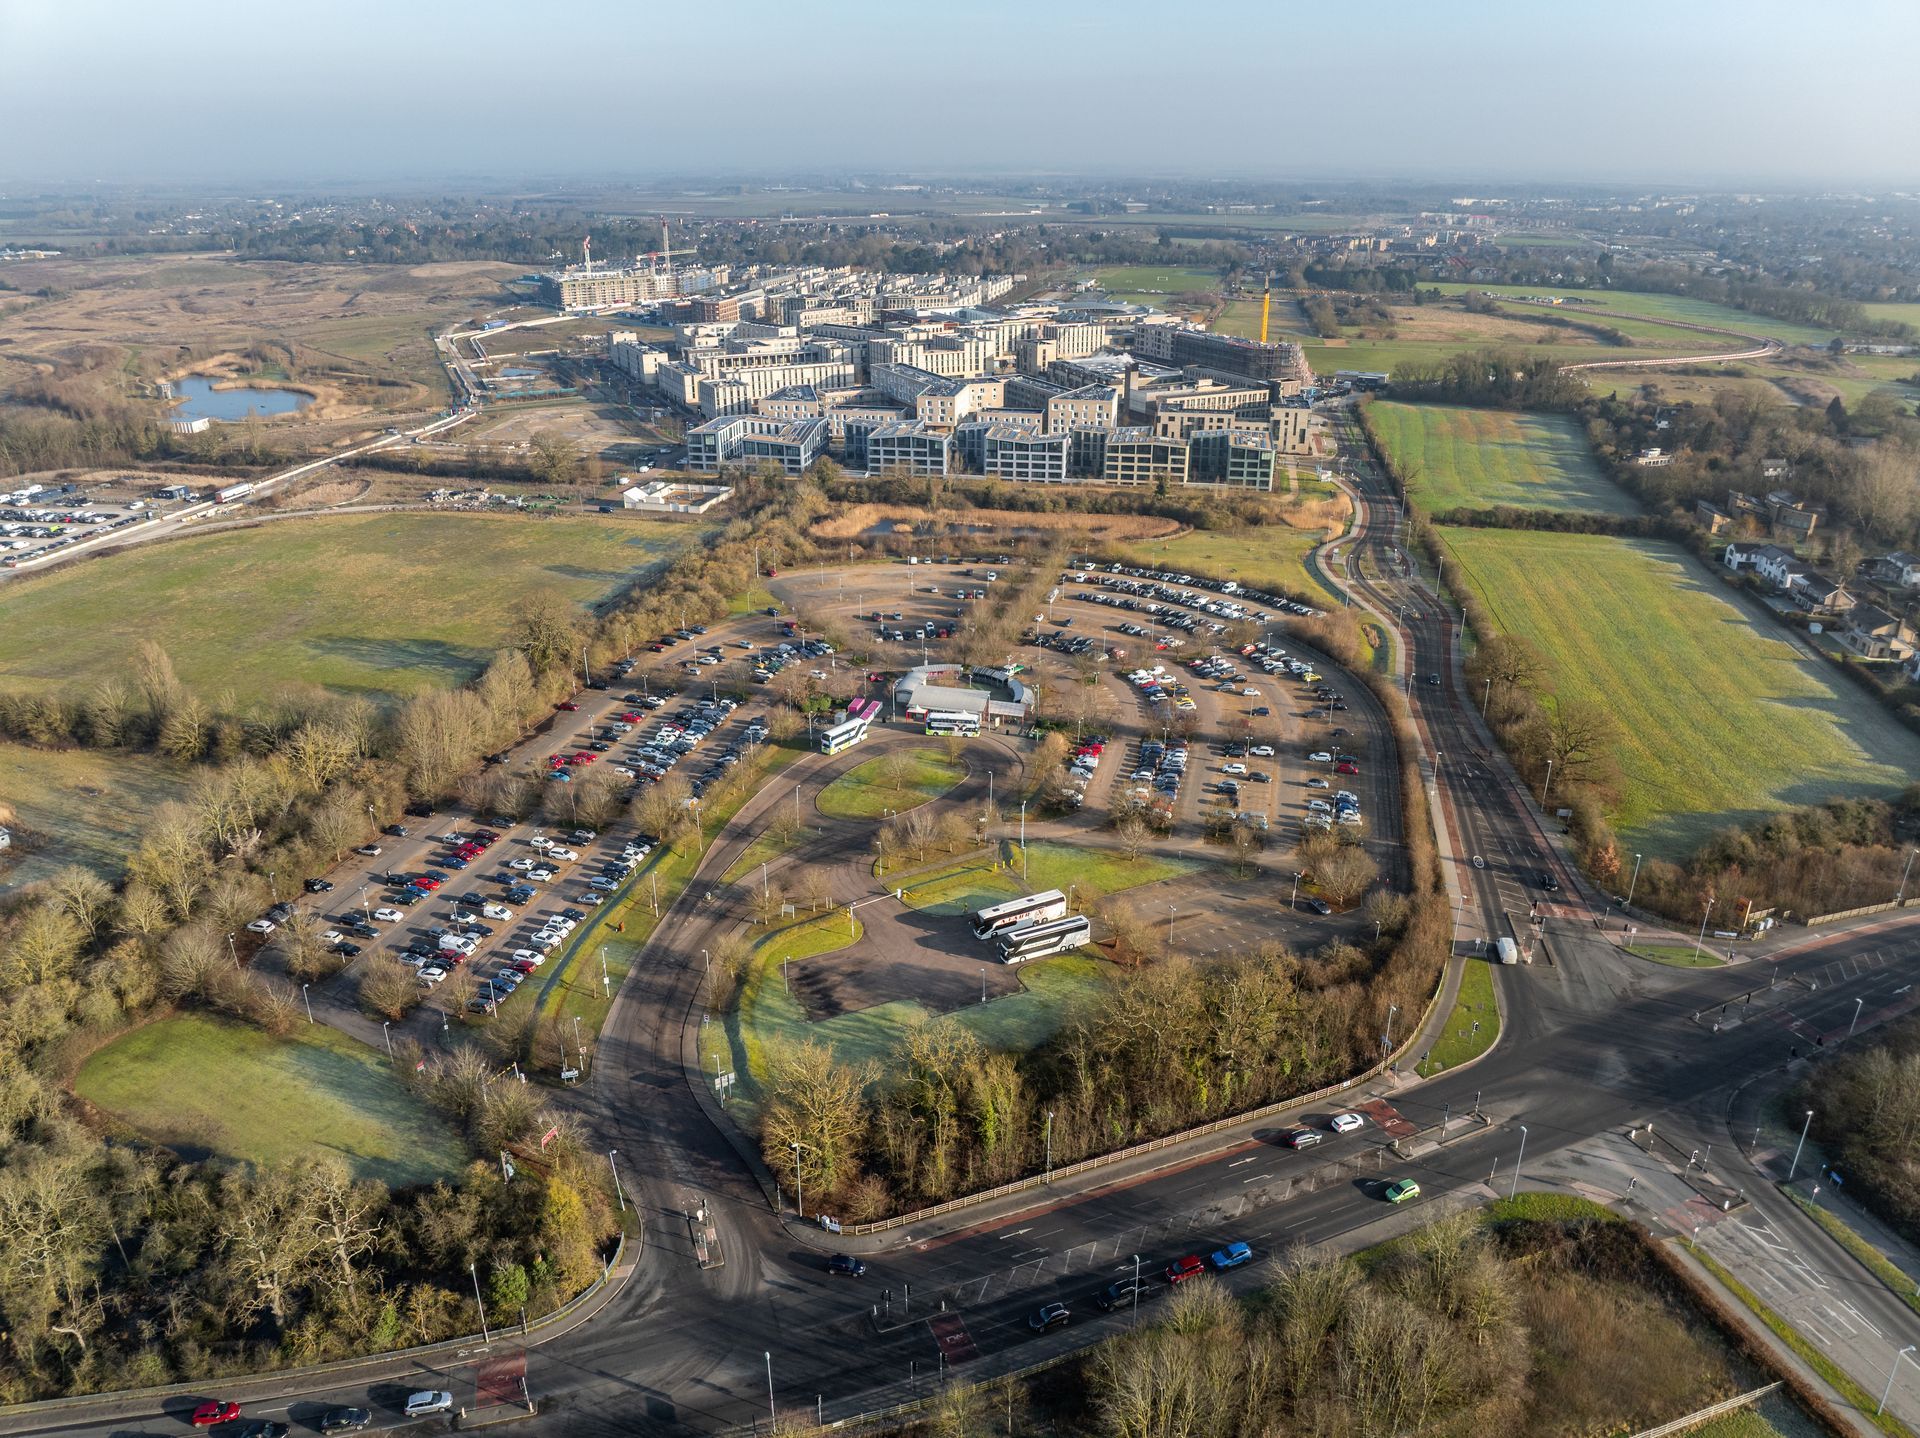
x: 318, y: 886
x: 363, y: 931
x: 397, y: 831
x: 420, y: 811
x: 1548, y: 882
x: 346, y: 950
x: 1048, y: 1317
x: 1319, y: 906
x: 280, y: 913
x: 345, y: 1420
x: 258, y: 1428
x: 1433, y: 679
x: 845, y: 1265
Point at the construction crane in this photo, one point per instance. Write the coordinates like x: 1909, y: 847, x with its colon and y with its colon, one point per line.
x: 1266, y: 306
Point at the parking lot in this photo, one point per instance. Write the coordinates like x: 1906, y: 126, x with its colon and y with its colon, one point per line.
x: 40, y: 519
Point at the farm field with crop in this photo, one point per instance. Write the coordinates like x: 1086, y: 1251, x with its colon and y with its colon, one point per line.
x: 386, y: 605
x: 1463, y: 458
x: 1721, y: 719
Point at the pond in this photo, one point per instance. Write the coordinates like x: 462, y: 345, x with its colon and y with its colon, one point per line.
x: 196, y: 398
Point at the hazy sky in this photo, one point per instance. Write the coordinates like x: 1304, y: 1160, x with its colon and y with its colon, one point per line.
x: 1679, y: 91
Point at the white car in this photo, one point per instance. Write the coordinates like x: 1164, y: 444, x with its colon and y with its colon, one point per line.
x: 1320, y: 806
x: 541, y: 841
x: 622, y: 771
x: 262, y: 926
x: 563, y: 924
x: 456, y: 944
x: 635, y: 853
x: 1320, y: 756
x: 541, y: 874
x: 564, y: 855
x: 422, y: 1404
x: 590, y: 900
x: 332, y: 936
x: 1318, y: 784
x: 497, y: 911
x: 389, y: 916
x: 1235, y: 768
x: 1262, y: 751
x: 431, y: 974
x: 1250, y: 692
x: 1347, y: 1122
x: 522, y: 864
x: 528, y: 956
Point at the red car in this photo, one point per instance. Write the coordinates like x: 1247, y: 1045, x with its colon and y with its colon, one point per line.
x: 213, y: 1411
x: 570, y: 707
x: 629, y: 717
x: 581, y: 758
x: 427, y: 882
x: 1181, y: 1269
x: 1347, y: 768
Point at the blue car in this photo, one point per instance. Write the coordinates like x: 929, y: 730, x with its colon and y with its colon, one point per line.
x: 1232, y: 1256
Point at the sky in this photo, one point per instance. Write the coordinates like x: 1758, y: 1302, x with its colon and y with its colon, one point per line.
x: 1636, y: 91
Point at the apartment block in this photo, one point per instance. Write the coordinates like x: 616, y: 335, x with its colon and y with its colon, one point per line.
x: 750, y: 439
x: 1136, y: 455
x: 1231, y: 459
x: 1090, y: 405
x: 1015, y: 452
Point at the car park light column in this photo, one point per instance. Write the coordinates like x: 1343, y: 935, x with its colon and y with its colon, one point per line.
x: 474, y: 1271
x: 1518, y: 1161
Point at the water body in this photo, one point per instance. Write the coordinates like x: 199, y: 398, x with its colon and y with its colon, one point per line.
x: 198, y: 399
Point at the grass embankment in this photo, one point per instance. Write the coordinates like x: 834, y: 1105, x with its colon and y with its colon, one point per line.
x: 765, y: 848
x: 207, y: 1087
x: 1604, y: 306
x: 869, y: 790
x: 1677, y: 956
x: 622, y: 926
x: 1461, y: 458
x: 1719, y: 721
x: 78, y: 806
x: 1871, y: 1258
x: 1829, y: 1371
x: 382, y: 604
x: 1474, y: 1005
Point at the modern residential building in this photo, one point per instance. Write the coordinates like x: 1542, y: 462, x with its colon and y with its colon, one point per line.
x: 1231, y: 459
x: 1091, y: 405
x: 1225, y: 354
x: 1136, y: 455
x: 909, y: 447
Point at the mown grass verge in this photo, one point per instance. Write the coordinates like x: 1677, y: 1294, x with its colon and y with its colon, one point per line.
x: 1474, y: 1003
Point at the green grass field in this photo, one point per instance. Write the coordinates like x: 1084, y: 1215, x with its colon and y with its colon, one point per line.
x: 1659, y: 307
x: 206, y: 1087
x: 78, y: 806
x: 1151, y: 280
x: 1459, y: 458
x: 1721, y: 719
x: 381, y: 604
x: 864, y: 793
x: 1474, y: 1005
x: 1273, y: 556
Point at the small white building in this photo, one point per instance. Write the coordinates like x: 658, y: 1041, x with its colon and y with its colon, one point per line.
x: 665, y: 496
x: 189, y: 426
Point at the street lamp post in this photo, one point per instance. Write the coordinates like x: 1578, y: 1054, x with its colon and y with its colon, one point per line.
x: 1170, y: 914
x: 1546, y: 786
x: 307, y: 1001
x: 1901, y: 897
x: 799, y: 1195
x: 1136, y: 1291
x: 1887, y: 1392
x: 1794, y: 1167
x: 1634, y: 882
x: 485, y: 1336
x: 1049, y: 1178
x: 1857, y: 1003
x: 1294, y: 902
x: 1698, y: 938
x: 386, y: 1033
x: 1392, y: 1009
x: 772, y: 1416
x: 1518, y: 1161
x: 617, y: 1193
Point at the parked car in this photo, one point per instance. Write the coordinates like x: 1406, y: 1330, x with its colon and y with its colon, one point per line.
x: 1122, y: 1292
x: 214, y: 1411
x: 389, y: 915
x: 262, y: 926
x: 370, y: 851
x: 318, y: 886
x: 422, y: 1404
x: 1347, y: 1123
